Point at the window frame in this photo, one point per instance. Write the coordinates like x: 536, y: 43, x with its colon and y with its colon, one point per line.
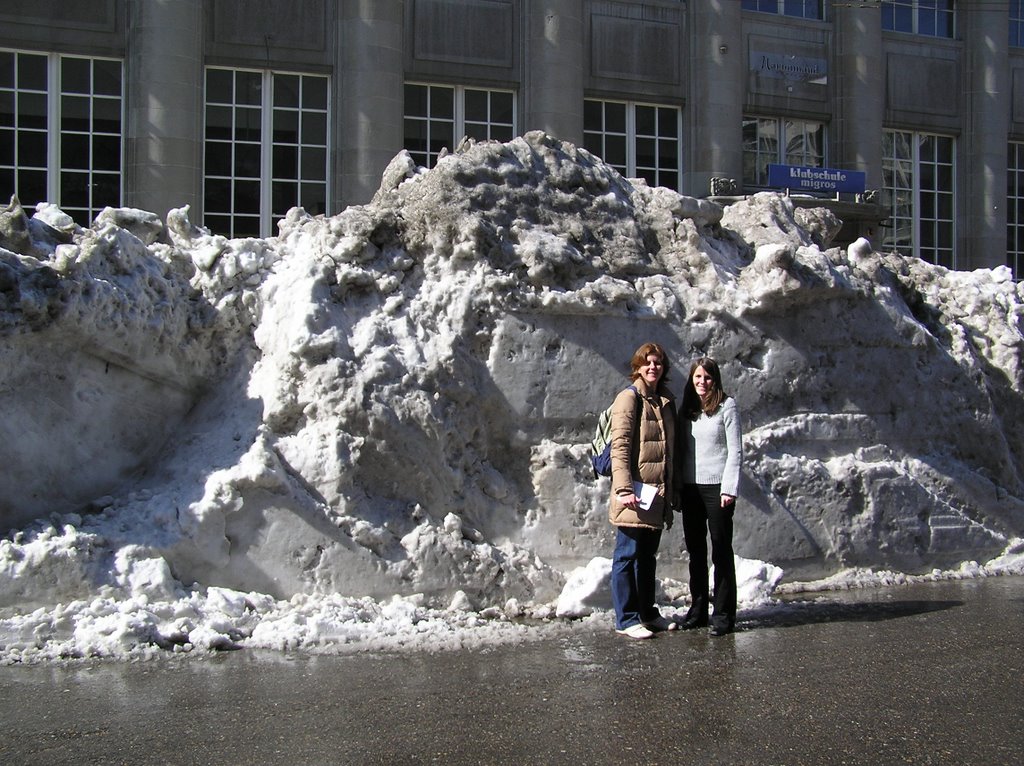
x: 459, y: 125
x: 1015, y: 209
x: 782, y: 140
x: 58, y: 134
x: 596, y: 141
x: 1016, y: 24
x: 911, y: 10
x: 263, y: 176
x: 786, y: 8
x: 923, y: 238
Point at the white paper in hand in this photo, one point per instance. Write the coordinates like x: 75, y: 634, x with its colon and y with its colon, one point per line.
x: 645, y: 494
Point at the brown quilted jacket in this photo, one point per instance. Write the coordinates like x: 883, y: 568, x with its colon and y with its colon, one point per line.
x: 642, y: 451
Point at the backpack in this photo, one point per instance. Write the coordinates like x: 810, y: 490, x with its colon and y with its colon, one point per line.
x: 601, y: 446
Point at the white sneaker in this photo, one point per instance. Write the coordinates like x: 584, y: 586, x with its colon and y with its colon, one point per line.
x: 660, y: 623
x: 635, y: 631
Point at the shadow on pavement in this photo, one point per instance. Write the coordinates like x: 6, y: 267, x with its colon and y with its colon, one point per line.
x: 792, y: 614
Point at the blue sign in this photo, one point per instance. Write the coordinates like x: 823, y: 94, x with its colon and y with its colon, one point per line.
x: 798, y: 178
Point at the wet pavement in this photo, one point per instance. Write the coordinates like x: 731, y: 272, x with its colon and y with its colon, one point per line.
x: 923, y: 674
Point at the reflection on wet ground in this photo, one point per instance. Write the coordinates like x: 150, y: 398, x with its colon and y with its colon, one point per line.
x: 923, y: 674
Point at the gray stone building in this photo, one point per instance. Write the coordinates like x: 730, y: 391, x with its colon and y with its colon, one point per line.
x: 242, y: 109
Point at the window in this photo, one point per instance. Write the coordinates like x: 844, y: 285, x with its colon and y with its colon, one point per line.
x: 1015, y: 209
x: 266, y: 149
x: 768, y: 140
x: 1017, y: 23
x: 638, y: 140
x: 918, y: 177
x: 920, y: 17
x: 90, y: 136
x: 804, y: 9
x: 60, y: 131
x: 437, y: 116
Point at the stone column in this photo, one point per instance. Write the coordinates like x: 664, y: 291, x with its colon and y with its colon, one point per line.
x: 553, y: 81
x: 981, y: 241
x: 715, y: 108
x: 164, y: 96
x: 370, y: 96
x: 860, y: 91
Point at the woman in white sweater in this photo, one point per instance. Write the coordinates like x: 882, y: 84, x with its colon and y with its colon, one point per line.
x: 710, y: 452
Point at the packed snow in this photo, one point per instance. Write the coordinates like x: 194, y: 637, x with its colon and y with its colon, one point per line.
x: 370, y: 431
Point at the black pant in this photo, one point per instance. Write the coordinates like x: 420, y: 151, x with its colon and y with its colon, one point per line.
x: 703, y: 513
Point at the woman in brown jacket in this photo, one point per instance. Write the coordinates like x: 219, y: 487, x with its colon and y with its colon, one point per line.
x: 643, y: 437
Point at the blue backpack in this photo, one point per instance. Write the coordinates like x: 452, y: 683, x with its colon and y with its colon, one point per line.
x: 601, y: 446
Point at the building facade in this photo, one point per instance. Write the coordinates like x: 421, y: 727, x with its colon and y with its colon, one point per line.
x: 242, y: 109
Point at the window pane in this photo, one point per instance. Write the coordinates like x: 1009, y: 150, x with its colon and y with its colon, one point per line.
x: 285, y: 196
x: 106, y: 191
x: 501, y: 133
x: 314, y: 128
x: 106, y: 115
x: 313, y: 196
x: 286, y: 90
x: 218, y: 224
x: 416, y: 100
x: 74, y: 113
x: 218, y: 122
x: 218, y: 159
x: 219, y: 86
x: 668, y: 123
x: 415, y: 135
x: 645, y: 121
x: 667, y: 153
x: 441, y: 135
x: 247, y: 161
x: 106, y: 153
x: 247, y: 197
x: 7, y: 70
x: 648, y: 175
x: 615, y: 150
x: 245, y: 226
x: 476, y: 105
x: 7, y: 109
x: 313, y: 164
x: 286, y: 127
x: 314, y: 92
x: 32, y: 72
x: 615, y: 118
x: 7, y: 147
x: 74, y: 189
x: 502, y: 108
x: 645, y: 154
x: 247, y: 124
x: 217, y: 195
x: 107, y: 77
x: 286, y: 162
x: 249, y: 88
x: 31, y: 110
x: 32, y: 149
x: 75, y: 75
x: 442, y: 102
x: 31, y: 186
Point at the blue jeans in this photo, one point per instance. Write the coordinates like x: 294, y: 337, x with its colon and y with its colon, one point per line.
x: 632, y: 580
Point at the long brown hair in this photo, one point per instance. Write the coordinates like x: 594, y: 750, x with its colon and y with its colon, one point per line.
x: 640, y: 360
x: 692, y: 404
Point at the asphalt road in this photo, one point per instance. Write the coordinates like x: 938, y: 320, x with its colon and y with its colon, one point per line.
x: 925, y: 674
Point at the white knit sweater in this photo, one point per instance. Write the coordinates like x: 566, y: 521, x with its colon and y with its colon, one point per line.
x: 712, y: 448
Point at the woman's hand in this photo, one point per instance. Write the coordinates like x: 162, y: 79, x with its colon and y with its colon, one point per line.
x: 630, y: 501
x: 727, y: 500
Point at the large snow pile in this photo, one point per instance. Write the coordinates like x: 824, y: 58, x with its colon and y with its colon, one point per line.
x: 375, y: 424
